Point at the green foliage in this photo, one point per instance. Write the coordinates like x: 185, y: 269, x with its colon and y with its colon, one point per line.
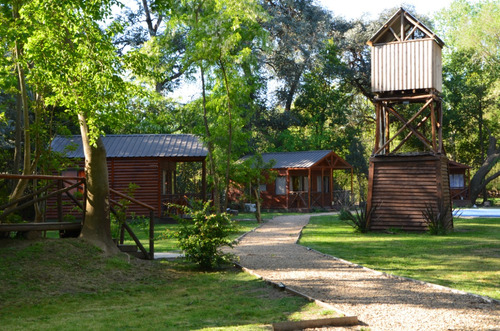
x: 438, y: 221
x: 359, y: 219
x: 203, y: 234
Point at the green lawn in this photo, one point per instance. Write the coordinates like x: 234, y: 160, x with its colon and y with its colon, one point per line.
x: 165, y: 244
x: 467, y: 259
x: 65, y: 284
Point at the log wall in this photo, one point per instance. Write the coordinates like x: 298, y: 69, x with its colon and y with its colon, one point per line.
x: 407, y: 65
x: 145, y: 172
x: 401, y: 186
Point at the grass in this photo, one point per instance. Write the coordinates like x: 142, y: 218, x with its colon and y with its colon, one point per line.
x: 162, y: 242
x: 65, y: 284
x: 467, y: 259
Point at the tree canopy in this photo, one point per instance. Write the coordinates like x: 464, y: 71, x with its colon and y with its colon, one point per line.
x: 263, y: 76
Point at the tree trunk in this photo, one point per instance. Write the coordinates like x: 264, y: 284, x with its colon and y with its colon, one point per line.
x: 230, y: 133
x: 97, y: 225
x: 210, y: 145
x: 22, y: 183
x: 479, y: 181
x: 258, y: 214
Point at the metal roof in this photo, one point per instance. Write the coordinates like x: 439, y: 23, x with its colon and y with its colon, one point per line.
x: 136, y: 145
x: 304, y: 159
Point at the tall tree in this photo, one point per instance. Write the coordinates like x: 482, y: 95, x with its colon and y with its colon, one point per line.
x: 471, y: 84
x: 297, y: 30
x: 70, y: 62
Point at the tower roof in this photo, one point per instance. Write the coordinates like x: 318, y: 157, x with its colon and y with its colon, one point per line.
x: 403, y: 26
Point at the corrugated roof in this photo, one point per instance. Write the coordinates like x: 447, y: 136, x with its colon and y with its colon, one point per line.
x: 136, y: 145
x: 305, y: 159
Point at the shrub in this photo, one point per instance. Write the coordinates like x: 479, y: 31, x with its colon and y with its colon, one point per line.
x: 344, y: 214
x: 203, y: 234
x: 359, y: 219
x: 437, y: 220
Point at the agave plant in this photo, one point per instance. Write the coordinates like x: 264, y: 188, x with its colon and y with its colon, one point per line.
x: 437, y: 220
x: 358, y: 219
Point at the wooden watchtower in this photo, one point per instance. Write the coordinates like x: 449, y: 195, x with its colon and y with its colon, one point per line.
x: 408, y: 167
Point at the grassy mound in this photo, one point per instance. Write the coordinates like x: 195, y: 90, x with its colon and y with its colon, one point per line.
x: 68, y: 284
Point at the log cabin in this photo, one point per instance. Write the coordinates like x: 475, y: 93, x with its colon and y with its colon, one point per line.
x: 305, y: 181
x: 163, y: 167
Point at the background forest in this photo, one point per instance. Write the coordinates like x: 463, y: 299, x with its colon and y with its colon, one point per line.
x: 248, y: 76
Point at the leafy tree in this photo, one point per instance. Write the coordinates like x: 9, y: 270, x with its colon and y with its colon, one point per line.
x: 68, y: 60
x: 471, y: 84
x: 252, y: 173
x: 219, y: 43
x: 297, y: 30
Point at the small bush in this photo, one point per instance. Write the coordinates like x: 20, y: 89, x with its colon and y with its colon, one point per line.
x: 359, y: 219
x: 344, y: 214
x: 437, y: 220
x: 202, y: 236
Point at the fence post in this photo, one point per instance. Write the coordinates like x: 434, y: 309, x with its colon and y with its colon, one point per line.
x: 151, y: 234
x: 59, y: 201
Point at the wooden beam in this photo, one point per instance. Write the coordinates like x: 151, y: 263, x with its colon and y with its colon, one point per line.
x: 433, y: 128
x: 410, y: 134
x: 406, y: 124
x: 394, y: 34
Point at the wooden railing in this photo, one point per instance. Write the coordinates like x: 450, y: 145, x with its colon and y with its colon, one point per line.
x: 58, y: 183
x: 125, y: 227
x: 44, y: 193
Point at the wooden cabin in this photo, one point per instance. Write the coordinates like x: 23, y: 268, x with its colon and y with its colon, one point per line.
x: 304, y: 181
x: 407, y: 68
x: 150, y: 161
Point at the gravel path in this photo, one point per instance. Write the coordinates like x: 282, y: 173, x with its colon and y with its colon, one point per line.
x: 380, y: 302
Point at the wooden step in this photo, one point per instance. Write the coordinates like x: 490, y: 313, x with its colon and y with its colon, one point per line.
x: 127, y: 248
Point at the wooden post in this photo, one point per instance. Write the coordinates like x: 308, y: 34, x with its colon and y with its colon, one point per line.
x: 369, y: 198
x: 151, y: 235
x: 330, y: 180
x: 433, y: 124
x: 322, y: 188
x: 287, y: 189
x: 377, y: 127
x: 59, y: 201
x: 440, y: 127
x: 387, y: 131
x: 309, y: 189
x: 204, y: 180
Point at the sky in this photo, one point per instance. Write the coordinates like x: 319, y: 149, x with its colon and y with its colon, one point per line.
x: 351, y: 9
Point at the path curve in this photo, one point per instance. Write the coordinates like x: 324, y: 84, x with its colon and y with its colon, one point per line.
x: 381, y: 302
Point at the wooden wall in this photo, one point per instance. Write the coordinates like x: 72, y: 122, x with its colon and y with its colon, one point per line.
x: 145, y: 172
x: 401, y: 186
x: 407, y: 65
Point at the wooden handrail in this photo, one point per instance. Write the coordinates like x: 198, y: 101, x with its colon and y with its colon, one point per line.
x: 131, y: 199
x: 48, y: 177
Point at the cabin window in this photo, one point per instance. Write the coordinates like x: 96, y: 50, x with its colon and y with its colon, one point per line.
x: 457, y: 181
x: 280, y: 185
x: 318, y: 184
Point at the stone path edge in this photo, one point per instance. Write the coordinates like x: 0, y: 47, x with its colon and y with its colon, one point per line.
x: 421, y: 282
x: 352, y: 320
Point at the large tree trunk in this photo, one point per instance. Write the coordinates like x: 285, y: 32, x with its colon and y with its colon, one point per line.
x: 479, y: 181
x: 97, y: 225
